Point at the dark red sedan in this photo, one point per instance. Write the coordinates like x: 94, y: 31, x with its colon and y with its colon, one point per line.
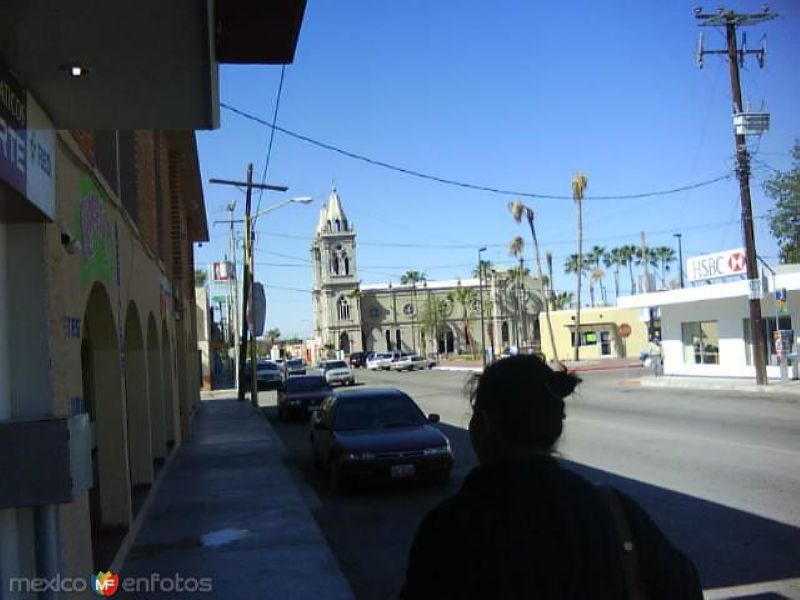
x: 301, y: 394
x: 378, y: 435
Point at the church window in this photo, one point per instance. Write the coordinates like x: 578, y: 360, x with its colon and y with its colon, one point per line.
x: 388, y: 341
x: 346, y: 265
x: 335, y: 265
x: 398, y: 339
x: 343, y: 309
x: 338, y: 225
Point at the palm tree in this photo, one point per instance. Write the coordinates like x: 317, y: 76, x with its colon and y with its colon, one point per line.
x: 516, y: 248
x: 595, y: 256
x: 616, y: 258
x: 273, y: 335
x: 596, y: 275
x: 629, y: 253
x: 579, y: 184
x: 466, y: 297
x: 200, y: 277
x: 665, y: 256
x: 646, y: 259
x: 412, y: 277
x: 484, y: 264
x: 517, y: 209
x: 562, y: 300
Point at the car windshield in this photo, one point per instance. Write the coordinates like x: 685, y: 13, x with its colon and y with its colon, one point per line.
x: 376, y: 412
x: 306, y: 384
x: 267, y: 366
x: 335, y: 364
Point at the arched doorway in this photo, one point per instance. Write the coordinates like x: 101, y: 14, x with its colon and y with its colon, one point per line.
x: 344, y: 342
x: 155, y: 392
x: 167, y: 377
x: 449, y: 341
x: 504, y: 337
x: 137, y: 402
x: 101, y: 374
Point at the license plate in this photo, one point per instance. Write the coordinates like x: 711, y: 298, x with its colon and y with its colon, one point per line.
x: 402, y: 470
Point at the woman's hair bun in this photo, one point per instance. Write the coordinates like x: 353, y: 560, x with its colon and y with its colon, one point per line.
x: 563, y: 383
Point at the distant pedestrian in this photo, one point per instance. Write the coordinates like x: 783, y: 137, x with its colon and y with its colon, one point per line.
x: 524, y: 527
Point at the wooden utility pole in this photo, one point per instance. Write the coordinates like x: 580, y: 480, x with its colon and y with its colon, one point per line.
x: 730, y: 20
x: 247, y: 279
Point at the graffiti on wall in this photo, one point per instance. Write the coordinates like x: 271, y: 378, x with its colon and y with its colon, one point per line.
x: 97, y: 231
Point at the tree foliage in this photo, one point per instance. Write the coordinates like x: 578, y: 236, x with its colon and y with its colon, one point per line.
x: 784, y: 217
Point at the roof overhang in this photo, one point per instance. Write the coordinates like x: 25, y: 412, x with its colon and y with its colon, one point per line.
x: 191, y: 183
x: 151, y: 64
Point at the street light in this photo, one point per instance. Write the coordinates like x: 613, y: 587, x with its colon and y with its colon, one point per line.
x: 480, y: 287
x: 680, y: 256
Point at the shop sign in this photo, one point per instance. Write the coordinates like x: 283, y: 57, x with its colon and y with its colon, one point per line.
x: 714, y: 266
x: 27, y: 144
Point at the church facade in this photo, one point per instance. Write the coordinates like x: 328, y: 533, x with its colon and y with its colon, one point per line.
x: 425, y: 317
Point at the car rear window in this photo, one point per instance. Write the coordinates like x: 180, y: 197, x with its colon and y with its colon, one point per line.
x: 296, y: 362
x: 306, y: 384
x: 376, y: 412
x: 267, y: 366
x: 336, y: 364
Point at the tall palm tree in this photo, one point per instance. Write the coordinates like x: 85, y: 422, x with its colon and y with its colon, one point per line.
x: 548, y: 256
x: 629, y: 252
x: 516, y: 248
x: 579, y: 184
x: 465, y: 297
x: 413, y: 277
x: 595, y: 257
x: 517, y: 210
x: 665, y: 256
x: 616, y: 258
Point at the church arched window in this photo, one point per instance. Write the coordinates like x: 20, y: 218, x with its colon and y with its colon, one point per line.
x: 346, y: 262
x: 343, y: 309
x: 338, y: 225
x: 335, y: 264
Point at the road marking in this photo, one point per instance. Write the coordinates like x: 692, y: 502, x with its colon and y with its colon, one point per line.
x: 673, y: 435
x: 788, y: 588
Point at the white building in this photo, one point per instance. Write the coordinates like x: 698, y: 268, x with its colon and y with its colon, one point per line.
x: 705, y: 330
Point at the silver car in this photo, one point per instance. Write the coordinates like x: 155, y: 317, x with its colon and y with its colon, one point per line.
x: 338, y: 372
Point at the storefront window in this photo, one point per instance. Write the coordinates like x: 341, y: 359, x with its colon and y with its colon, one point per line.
x: 785, y: 322
x: 700, y: 342
x: 588, y: 338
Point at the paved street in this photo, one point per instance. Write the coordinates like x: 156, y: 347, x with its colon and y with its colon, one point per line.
x: 719, y: 472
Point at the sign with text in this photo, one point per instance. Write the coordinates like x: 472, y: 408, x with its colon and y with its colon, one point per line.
x: 713, y: 266
x: 27, y: 144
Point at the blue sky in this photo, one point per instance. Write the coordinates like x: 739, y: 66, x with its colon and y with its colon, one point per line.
x: 514, y: 95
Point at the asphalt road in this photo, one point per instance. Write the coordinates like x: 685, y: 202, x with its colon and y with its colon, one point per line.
x: 719, y: 472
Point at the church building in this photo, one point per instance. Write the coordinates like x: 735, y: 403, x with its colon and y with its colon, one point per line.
x: 424, y: 317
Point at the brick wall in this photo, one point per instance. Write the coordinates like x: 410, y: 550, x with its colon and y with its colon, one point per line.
x: 144, y: 156
x: 85, y: 140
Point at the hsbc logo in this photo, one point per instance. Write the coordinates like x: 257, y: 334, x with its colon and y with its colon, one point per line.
x: 717, y: 265
x: 737, y: 262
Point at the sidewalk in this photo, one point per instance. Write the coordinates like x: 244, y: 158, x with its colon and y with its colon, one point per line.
x: 228, y: 509
x: 731, y: 384
x: 605, y: 364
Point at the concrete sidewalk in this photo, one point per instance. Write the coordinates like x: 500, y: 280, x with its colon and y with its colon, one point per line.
x: 731, y: 384
x: 228, y: 509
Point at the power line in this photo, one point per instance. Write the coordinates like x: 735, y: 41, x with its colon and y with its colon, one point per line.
x: 462, y: 184
x: 271, y: 136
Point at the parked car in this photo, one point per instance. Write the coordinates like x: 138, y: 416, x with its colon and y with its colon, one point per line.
x: 294, y: 366
x: 382, y: 360
x: 378, y: 435
x: 358, y: 359
x: 337, y: 371
x: 268, y: 375
x: 410, y: 362
x: 301, y: 394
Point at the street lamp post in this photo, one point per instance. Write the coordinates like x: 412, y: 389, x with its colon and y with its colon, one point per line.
x: 480, y: 288
x: 680, y: 256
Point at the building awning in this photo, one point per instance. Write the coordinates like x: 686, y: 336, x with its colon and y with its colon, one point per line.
x: 149, y: 64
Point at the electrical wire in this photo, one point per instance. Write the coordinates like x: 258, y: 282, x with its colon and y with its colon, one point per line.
x: 462, y: 184
x: 271, y: 137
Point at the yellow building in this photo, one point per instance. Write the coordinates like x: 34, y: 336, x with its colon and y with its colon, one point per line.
x: 600, y: 335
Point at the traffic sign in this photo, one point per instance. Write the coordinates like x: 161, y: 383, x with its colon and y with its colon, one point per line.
x: 624, y: 330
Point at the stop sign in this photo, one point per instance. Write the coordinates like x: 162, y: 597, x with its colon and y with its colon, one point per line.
x: 624, y: 330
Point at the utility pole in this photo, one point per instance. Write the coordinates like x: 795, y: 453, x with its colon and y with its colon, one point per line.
x: 480, y: 287
x: 233, y: 280
x: 247, y: 278
x: 730, y: 20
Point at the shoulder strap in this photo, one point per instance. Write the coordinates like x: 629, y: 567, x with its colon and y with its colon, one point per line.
x: 628, y: 551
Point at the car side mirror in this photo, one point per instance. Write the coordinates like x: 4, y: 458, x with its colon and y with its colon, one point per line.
x: 433, y: 418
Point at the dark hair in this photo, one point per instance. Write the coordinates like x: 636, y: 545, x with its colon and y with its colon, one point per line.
x: 524, y: 400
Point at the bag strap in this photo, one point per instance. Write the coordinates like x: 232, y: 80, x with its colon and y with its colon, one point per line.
x: 628, y: 550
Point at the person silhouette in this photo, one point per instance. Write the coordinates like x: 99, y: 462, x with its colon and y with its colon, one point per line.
x: 523, y: 526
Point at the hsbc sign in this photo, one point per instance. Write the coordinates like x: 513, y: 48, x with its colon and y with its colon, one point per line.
x: 713, y: 266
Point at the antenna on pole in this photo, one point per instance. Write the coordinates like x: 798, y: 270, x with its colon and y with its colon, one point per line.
x: 698, y: 55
